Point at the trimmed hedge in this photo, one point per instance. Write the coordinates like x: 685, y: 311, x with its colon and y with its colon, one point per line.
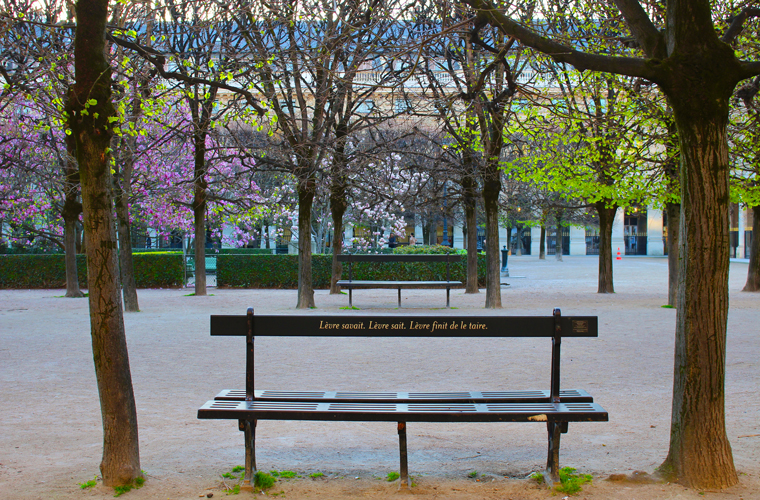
x: 242, y: 251
x: 281, y: 271
x: 152, y: 270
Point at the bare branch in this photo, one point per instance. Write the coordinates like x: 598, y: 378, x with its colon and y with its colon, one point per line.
x: 630, y: 66
x: 737, y: 23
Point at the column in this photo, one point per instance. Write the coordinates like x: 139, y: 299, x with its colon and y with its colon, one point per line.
x: 577, y: 240
x: 617, y: 232
x: 503, y: 238
x: 655, y: 245
x: 456, y: 237
x: 742, y: 226
x: 535, y: 240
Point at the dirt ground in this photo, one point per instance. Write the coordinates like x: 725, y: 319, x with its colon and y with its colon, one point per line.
x: 50, y: 424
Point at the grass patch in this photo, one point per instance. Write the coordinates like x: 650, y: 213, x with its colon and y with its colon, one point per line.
x: 352, y: 308
x: 392, y: 476
x: 89, y: 484
x: 234, y: 490
x: 238, y: 468
x: 136, y: 484
x: 263, y: 480
x: 473, y: 474
x: 668, y: 306
x: 538, y: 477
x: 193, y: 295
x: 570, y: 482
x: 315, y: 475
x: 287, y: 474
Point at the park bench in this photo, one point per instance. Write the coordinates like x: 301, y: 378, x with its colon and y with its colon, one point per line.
x: 351, y: 283
x: 554, y: 407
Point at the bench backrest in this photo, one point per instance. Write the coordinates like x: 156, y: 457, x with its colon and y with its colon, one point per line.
x: 345, y: 325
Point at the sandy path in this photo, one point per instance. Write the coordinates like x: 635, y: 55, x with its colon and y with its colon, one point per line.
x: 50, y: 429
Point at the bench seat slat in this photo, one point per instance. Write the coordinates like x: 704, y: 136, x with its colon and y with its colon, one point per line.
x: 399, y: 283
x: 529, y: 396
x: 403, y: 412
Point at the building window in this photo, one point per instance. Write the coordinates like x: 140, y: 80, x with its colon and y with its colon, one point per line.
x: 366, y: 106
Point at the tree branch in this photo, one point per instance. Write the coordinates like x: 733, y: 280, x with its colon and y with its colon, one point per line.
x: 646, y: 33
x: 630, y: 66
x: 737, y: 23
x: 158, y: 60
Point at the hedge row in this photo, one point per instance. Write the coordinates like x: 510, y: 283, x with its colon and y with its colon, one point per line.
x: 152, y: 270
x: 281, y: 271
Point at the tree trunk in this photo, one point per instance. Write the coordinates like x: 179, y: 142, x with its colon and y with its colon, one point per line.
x: 606, y: 220
x: 674, y: 216
x: 199, y: 213
x: 306, y: 189
x: 72, y: 274
x: 127, y: 268
x: 92, y: 90
x: 491, y: 189
x: 470, y: 214
x: 337, y: 267
x: 71, y: 210
x: 700, y: 453
x: 753, y: 272
x: 559, y: 239
x: 542, y: 243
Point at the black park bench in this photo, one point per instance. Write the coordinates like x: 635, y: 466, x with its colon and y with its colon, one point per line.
x: 553, y: 407
x: 351, y: 283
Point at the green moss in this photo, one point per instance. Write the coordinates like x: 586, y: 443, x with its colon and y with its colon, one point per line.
x: 392, y: 476
x: 89, y: 484
x: 570, y: 482
x: 263, y: 480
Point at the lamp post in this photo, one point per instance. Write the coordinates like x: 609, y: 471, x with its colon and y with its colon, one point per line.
x: 445, y: 241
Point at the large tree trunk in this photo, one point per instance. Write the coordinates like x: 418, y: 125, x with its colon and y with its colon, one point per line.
x: 491, y: 189
x: 121, y: 457
x: 470, y: 215
x: 674, y: 216
x: 306, y: 189
x: 606, y: 219
x: 753, y: 272
x: 700, y: 453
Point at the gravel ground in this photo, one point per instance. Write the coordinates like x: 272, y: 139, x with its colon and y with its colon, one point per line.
x: 50, y: 424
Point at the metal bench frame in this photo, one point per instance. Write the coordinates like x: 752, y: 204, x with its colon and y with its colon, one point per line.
x: 554, y: 407
x: 350, y: 283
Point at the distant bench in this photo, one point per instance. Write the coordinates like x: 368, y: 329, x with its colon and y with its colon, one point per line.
x: 554, y: 407
x: 351, y: 283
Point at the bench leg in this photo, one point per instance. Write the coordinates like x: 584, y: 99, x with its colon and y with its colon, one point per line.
x: 399, y: 296
x: 554, y: 430
x: 447, y: 297
x: 250, y: 454
x: 350, y: 298
x: 404, y: 483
